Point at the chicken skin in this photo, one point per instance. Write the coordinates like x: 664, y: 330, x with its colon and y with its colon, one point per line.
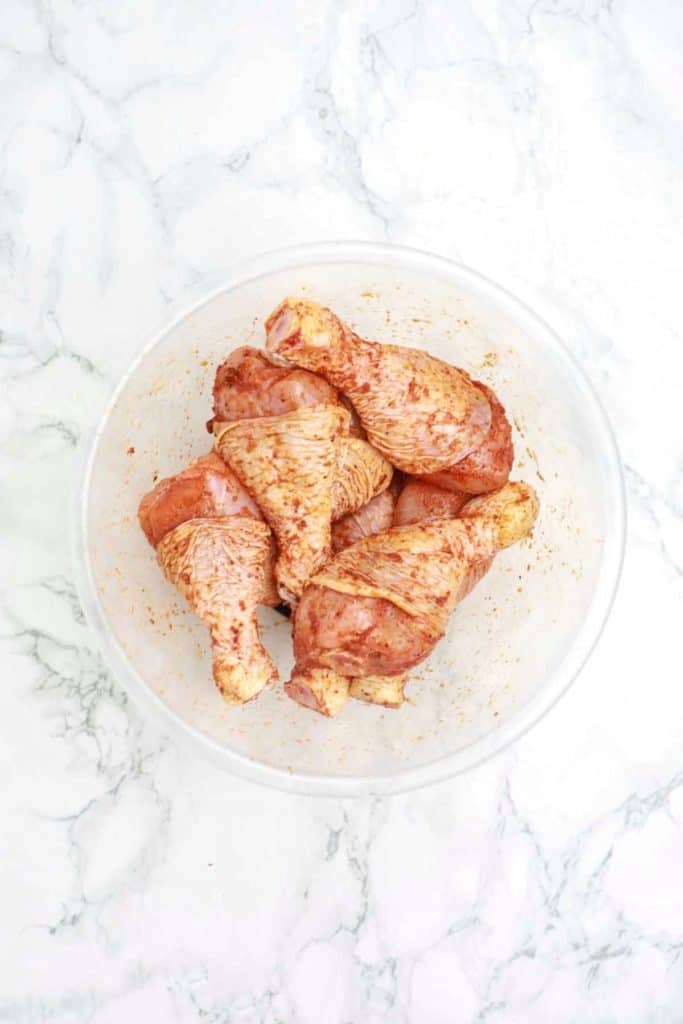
x: 219, y: 566
x: 488, y: 467
x: 373, y: 517
x: 420, y: 501
x: 288, y: 463
x: 321, y: 689
x: 247, y: 385
x: 285, y: 433
x: 212, y: 543
x: 360, y: 474
x: 380, y: 606
x: 205, y: 488
x: 421, y: 413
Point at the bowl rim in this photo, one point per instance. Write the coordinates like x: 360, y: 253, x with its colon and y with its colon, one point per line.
x: 561, y: 678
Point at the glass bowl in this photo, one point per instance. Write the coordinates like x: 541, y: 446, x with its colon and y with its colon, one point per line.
x: 513, y: 646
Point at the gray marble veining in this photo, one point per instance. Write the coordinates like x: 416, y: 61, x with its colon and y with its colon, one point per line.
x: 148, y: 146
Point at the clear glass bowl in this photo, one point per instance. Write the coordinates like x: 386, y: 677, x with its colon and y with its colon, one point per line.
x: 513, y: 646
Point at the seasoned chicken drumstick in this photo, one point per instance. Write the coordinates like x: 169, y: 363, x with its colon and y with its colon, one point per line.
x: 420, y: 501
x: 421, y: 413
x: 326, y: 691
x: 247, y: 385
x: 370, y: 620
x: 285, y: 433
x: 287, y: 463
x: 204, y: 488
x: 373, y: 517
x: 488, y: 467
x: 212, y: 543
x: 360, y: 474
x: 219, y: 566
x: 380, y: 606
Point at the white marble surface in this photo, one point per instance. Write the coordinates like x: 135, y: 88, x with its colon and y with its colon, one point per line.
x: 148, y: 145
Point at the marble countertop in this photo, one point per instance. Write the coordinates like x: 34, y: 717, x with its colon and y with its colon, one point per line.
x: 149, y: 146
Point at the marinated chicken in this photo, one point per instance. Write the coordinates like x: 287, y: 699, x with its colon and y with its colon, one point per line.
x: 285, y: 433
x: 360, y: 474
x: 288, y: 465
x: 421, y: 413
x: 420, y: 501
x: 219, y: 566
x: 380, y: 606
x: 247, y: 385
x: 307, y: 443
x: 205, y: 489
x: 373, y: 517
x: 488, y: 467
x: 212, y: 543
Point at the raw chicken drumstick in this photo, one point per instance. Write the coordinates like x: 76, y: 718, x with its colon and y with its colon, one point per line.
x: 320, y: 688
x: 285, y: 433
x: 204, y: 488
x: 326, y: 691
x: 287, y: 463
x: 488, y: 467
x: 379, y: 607
x: 249, y: 386
x: 417, y: 502
x: 421, y: 413
x: 339, y: 621
x: 420, y: 501
x: 360, y: 474
x: 213, y: 545
x: 373, y: 517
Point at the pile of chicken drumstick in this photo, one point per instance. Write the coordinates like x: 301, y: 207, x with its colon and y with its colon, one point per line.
x: 364, y: 484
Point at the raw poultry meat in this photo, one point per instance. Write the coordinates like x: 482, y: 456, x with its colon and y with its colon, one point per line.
x: 248, y: 385
x: 288, y: 464
x: 218, y: 565
x: 205, y: 488
x: 285, y: 433
x: 360, y: 474
x: 421, y: 413
x: 372, y: 621
x: 380, y: 606
x: 372, y: 563
x: 420, y: 501
x: 212, y: 543
x: 488, y: 467
x: 373, y: 517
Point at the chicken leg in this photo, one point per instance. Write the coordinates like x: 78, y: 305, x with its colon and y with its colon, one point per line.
x: 380, y: 606
x: 287, y: 463
x: 204, y: 489
x: 218, y: 564
x: 421, y: 413
x: 488, y: 467
x: 286, y: 434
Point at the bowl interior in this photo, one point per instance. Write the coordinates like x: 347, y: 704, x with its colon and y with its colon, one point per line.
x: 512, y: 645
